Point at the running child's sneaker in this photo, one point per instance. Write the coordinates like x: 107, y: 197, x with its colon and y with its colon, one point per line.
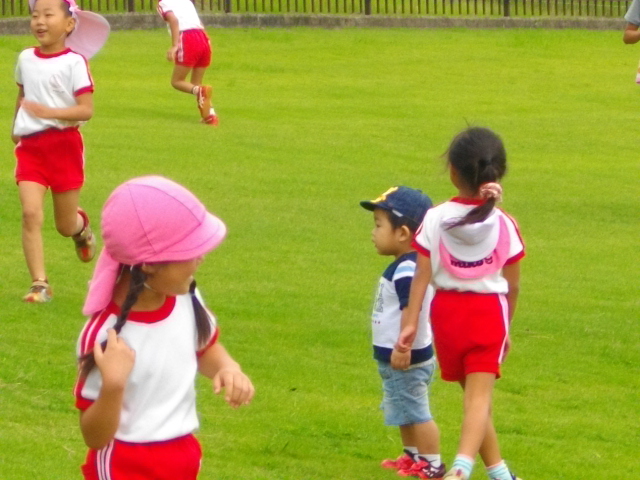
x: 204, y: 100
x: 454, y: 475
x: 513, y: 477
x: 423, y: 469
x: 40, y: 292
x: 211, y: 120
x: 85, y: 241
x: 403, y: 462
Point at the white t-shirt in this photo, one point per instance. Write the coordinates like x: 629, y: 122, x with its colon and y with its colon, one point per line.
x: 159, y: 399
x: 391, y: 298
x: 184, y: 10
x: 52, y: 80
x: 427, y: 242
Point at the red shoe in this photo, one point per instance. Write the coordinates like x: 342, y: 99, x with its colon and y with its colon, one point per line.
x: 85, y: 241
x: 403, y: 462
x: 423, y: 469
x: 204, y: 100
x: 211, y: 120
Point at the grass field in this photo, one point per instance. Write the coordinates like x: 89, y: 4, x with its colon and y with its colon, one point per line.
x: 312, y: 122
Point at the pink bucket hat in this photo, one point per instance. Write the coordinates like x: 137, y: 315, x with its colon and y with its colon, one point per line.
x: 480, y: 258
x: 146, y: 220
x: 91, y: 30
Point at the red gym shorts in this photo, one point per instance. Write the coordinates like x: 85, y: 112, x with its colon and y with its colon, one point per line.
x: 194, y: 50
x: 53, y: 158
x: 176, y: 459
x: 469, y: 332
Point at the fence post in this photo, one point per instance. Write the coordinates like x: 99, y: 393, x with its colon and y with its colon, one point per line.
x: 506, y: 8
x: 367, y: 7
x: 227, y: 6
x: 131, y: 6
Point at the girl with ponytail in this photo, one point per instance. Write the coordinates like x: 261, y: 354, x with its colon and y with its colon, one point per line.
x: 148, y: 335
x: 470, y: 251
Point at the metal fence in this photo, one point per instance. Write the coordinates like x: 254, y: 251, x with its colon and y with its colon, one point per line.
x: 506, y: 8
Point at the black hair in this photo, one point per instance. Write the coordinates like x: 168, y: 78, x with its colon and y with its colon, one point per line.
x: 136, y: 286
x: 399, y: 222
x: 478, y: 155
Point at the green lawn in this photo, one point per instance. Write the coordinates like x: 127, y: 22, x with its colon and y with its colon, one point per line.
x: 312, y: 122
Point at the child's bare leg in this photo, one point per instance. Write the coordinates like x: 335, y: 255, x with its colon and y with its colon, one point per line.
x: 490, y: 450
x: 65, y: 210
x: 426, y: 437
x: 179, y: 79
x: 197, y: 75
x: 32, y: 200
x: 478, y: 392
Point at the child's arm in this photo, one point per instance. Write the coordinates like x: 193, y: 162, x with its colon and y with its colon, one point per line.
x: 631, y: 34
x: 411, y: 314
x: 172, y: 20
x: 81, y: 112
x: 225, y: 372
x: 511, y: 273
x: 100, y: 421
x: 16, y: 138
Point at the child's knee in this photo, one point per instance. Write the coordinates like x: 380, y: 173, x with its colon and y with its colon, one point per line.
x: 32, y: 217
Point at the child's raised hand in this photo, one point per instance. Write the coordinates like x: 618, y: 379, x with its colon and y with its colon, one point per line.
x: 116, y: 361
x: 36, y: 109
x: 239, y: 389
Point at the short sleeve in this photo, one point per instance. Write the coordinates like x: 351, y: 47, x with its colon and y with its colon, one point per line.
x: 164, y: 7
x: 81, y: 77
x: 516, y: 244
x: 633, y: 14
x: 422, y: 241
x: 402, y: 278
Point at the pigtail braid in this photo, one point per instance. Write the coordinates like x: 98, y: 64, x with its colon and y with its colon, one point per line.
x: 136, y: 286
x: 203, y: 323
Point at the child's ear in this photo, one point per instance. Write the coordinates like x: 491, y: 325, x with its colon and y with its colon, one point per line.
x: 71, y: 25
x: 405, y: 234
x: 148, y: 269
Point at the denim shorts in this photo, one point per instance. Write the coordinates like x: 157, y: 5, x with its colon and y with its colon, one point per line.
x: 406, y: 393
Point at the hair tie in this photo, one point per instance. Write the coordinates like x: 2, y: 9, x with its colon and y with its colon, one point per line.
x: 491, y: 190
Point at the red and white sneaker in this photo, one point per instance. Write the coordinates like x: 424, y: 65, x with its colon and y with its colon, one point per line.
x: 85, y: 241
x: 403, y: 462
x: 204, y: 100
x: 211, y: 119
x: 423, y: 469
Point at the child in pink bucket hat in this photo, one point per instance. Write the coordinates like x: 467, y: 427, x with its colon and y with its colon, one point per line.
x: 470, y: 252
x: 55, y: 97
x: 148, y: 335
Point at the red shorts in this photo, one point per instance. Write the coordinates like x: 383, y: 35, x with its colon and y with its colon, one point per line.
x: 469, y: 332
x: 53, y: 158
x: 194, y: 49
x: 177, y: 459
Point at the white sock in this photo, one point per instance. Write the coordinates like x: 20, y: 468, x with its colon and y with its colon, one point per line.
x: 413, y: 451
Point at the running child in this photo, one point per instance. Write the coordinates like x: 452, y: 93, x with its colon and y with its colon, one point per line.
x: 470, y: 252
x: 397, y: 213
x: 190, y: 52
x: 55, y: 96
x: 148, y: 336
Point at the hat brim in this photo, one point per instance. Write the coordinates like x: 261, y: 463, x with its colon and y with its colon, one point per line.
x: 208, y: 235
x: 90, y: 34
x: 369, y: 205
